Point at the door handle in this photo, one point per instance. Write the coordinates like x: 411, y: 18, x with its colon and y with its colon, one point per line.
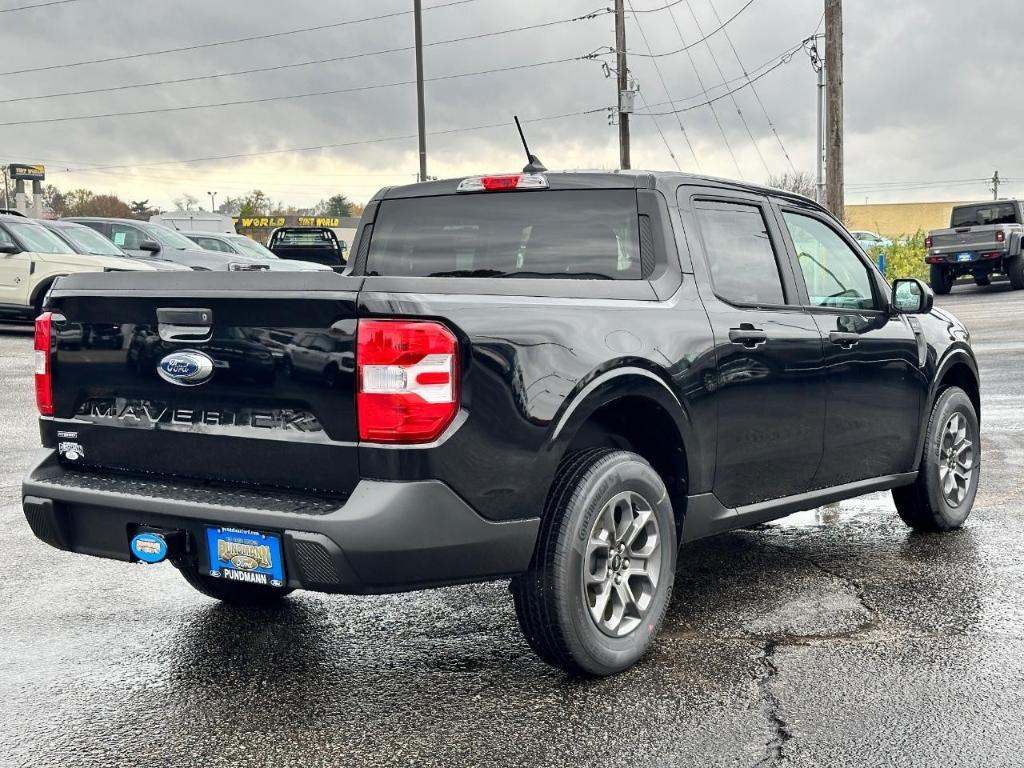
x: 747, y: 335
x: 185, y: 325
x: 844, y: 340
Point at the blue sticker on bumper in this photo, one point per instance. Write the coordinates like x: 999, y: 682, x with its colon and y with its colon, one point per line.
x: 246, y: 556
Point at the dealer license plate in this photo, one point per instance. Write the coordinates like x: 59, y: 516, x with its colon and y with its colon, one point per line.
x: 965, y: 257
x: 250, y: 557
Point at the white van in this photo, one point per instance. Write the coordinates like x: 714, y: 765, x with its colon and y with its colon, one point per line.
x: 195, y: 221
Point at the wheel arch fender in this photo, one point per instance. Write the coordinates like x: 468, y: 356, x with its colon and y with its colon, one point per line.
x: 631, y: 383
x: 956, y: 368
x: 43, y: 286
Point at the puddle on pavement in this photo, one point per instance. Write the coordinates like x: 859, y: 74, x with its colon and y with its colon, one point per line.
x: 839, y: 512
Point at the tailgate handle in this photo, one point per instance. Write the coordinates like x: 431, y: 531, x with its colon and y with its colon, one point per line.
x: 185, y: 324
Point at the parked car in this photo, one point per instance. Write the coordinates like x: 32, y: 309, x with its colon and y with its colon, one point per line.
x: 552, y: 378
x: 983, y: 239
x: 143, y: 240
x: 244, y: 246
x: 316, y: 244
x: 869, y: 240
x: 32, y: 258
x: 194, y: 221
x: 85, y: 240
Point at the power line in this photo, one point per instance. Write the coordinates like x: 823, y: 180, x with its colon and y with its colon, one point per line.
x: 340, y: 145
x: 655, y: 10
x: 786, y: 59
x: 741, y: 78
x: 661, y: 77
x: 248, y: 39
x: 287, y: 97
x: 347, y: 57
x: 662, y: 134
x: 753, y: 88
x: 704, y: 89
x: 37, y: 5
x: 685, y: 47
x: 721, y: 74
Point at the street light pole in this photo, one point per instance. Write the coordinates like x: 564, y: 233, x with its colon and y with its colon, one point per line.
x: 213, y: 201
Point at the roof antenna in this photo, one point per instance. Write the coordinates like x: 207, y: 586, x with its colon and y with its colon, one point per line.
x: 533, y: 164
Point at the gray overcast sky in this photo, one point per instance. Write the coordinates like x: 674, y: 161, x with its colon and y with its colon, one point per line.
x: 931, y: 93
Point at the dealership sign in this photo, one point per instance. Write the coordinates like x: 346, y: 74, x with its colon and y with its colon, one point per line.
x: 20, y: 172
x: 264, y: 222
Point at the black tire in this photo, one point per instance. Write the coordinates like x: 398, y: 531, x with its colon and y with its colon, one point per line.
x: 40, y: 301
x: 982, y: 280
x: 923, y: 506
x: 941, y: 279
x: 1015, y: 271
x: 551, y: 600
x: 233, y: 592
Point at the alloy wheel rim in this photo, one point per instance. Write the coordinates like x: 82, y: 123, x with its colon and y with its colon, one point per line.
x: 622, y: 564
x: 956, y: 459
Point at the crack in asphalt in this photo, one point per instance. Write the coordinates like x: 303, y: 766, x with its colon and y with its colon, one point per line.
x: 859, y: 589
x: 782, y: 735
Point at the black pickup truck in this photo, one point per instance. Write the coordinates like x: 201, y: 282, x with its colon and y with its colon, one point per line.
x: 555, y: 378
x: 319, y: 245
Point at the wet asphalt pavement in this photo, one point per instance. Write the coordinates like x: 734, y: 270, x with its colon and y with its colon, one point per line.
x: 834, y: 638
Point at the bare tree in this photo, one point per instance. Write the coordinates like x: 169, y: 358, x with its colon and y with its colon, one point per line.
x: 800, y: 182
x: 186, y: 202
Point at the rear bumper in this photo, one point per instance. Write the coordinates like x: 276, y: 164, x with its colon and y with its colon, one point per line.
x: 385, y: 537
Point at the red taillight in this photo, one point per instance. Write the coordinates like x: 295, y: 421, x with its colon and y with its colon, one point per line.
x: 408, y: 375
x: 498, y: 183
x: 1000, y: 236
x: 928, y: 242
x: 44, y: 372
x: 503, y: 183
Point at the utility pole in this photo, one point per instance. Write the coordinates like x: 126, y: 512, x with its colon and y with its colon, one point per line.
x: 819, y: 147
x: 7, y: 201
x: 995, y: 186
x: 622, y: 82
x: 420, y: 113
x: 834, y: 181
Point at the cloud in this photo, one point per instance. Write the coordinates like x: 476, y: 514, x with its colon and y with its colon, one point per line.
x: 927, y: 93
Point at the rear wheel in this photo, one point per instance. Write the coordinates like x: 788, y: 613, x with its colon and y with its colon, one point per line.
x: 233, y: 592
x: 941, y: 279
x: 942, y: 496
x: 602, y: 574
x: 1015, y: 271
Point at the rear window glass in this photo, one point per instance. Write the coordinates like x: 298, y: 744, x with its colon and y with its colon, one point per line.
x: 980, y: 215
x: 586, y: 234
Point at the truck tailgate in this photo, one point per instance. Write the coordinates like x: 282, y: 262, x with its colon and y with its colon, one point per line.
x: 951, y: 241
x: 233, y: 377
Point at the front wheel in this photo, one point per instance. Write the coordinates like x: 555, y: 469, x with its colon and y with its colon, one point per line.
x: 602, y: 575
x: 941, y: 279
x: 233, y: 592
x: 942, y: 496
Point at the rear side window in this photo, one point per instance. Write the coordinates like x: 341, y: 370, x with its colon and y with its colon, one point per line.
x: 744, y: 269
x: 576, y: 234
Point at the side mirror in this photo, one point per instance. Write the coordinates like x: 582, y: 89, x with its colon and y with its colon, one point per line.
x: 9, y: 248
x: 150, y: 245
x: 911, y: 297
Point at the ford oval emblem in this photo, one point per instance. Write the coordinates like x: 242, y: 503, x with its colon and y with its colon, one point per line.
x: 187, y: 368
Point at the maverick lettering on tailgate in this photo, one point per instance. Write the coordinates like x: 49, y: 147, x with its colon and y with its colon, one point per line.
x: 152, y: 414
